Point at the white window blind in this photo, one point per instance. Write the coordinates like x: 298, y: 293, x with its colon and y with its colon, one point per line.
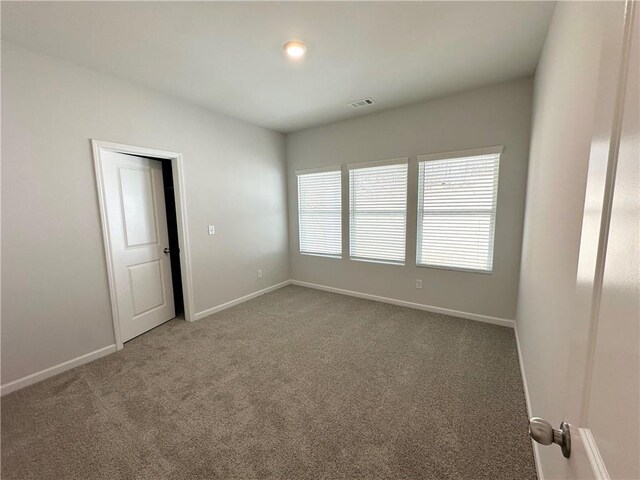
x: 378, y: 212
x: 457, y: 211
x: 320, y: 212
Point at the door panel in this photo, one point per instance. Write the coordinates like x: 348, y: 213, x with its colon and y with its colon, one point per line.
x: 604, y: 371
x: 613, y: 408
x: 137, y: 224
x: 146, y: 286
x: 136, y: 189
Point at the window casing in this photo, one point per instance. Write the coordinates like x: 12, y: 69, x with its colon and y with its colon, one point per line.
x: 320, y: 212
x: 457, y: 198
x: 378, y: 211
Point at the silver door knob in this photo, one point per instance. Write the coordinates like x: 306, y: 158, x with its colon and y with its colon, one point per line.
x: 542, y: 432
x: 166, y: 250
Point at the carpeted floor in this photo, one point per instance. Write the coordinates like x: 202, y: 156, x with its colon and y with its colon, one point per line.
x: 295, y: 384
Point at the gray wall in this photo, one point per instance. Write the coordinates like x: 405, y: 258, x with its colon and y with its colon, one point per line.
x: 564, y: 111
x: 495, y: 115
x: 55, y: 303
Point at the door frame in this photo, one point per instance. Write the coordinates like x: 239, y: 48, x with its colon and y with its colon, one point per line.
x: 100, y: 146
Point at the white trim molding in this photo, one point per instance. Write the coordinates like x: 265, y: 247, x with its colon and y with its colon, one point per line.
x: 402, y: 303
x: 593, y: 454
x: 89, y: 357
x: 378, y: 163
x: 525, y: 386
x: 418, y: 306
x: 56, y: 369
x: 238, y: 301
x: 584, y: 435
x: 309, y: 171
x: 474, y: 152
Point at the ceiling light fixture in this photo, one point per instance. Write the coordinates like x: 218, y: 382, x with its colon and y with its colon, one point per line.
x: 295, y: 50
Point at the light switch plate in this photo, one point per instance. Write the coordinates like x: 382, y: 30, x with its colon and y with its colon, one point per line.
x: 212, y: 229
x: 418, y: 284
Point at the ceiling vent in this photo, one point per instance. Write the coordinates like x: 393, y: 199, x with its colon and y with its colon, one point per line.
x: 365, y: 102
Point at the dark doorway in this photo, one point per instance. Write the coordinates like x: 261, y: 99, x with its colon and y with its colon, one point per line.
x: 174, y: 243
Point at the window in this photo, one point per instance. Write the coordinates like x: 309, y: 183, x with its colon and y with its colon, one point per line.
x: 457, y: 209
x: 320, y: 212
x: 378, y: 211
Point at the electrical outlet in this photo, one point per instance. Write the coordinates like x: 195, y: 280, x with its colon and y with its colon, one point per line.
x: 259, y: 273
x: 418, y: 284
x: 212, y: 229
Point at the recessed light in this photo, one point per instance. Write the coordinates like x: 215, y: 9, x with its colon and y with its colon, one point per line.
x: 295, y: 49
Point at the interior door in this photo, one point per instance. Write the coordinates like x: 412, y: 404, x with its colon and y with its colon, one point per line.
x: 139, y: 242
x: 604, y: 405
x: 613, y: 397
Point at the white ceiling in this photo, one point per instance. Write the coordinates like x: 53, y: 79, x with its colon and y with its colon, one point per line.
x: 228, y: 56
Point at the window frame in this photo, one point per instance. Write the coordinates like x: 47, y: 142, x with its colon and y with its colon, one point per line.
x: 493, y: 150
x: 379, y: 163
x: 311, y: 171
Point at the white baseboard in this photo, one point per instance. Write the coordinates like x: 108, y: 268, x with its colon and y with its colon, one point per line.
x: 418, y: 306
x: 536, y: 446
x: 75, y: 362
x: 55, y: 370
x: 237, y: 301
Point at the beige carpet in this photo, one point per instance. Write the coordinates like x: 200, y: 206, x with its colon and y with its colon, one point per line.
x: 295, y: 384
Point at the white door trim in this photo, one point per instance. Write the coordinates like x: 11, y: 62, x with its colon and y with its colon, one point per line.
x: 100, y: 146
x: 593, y: 455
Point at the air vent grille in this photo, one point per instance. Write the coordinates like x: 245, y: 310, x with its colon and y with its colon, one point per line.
x: 365, y: 102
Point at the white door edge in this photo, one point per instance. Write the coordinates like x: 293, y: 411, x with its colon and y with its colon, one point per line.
x: 98, y: 147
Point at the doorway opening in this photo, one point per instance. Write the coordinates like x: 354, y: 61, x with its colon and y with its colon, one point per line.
x: 172, y: 230
x: 174, y: 241
x: 143, y: 212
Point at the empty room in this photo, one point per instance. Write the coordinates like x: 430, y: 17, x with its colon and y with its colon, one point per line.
x: 320, y: 240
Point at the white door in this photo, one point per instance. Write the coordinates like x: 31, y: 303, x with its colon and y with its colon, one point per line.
x: 603, y: 407
x: 139, y: 241
x: 610, y: 407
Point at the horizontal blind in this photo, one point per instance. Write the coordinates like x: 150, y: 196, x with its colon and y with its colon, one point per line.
x: 378, y: 212
x: 457, y: 212
x: 320, y: 213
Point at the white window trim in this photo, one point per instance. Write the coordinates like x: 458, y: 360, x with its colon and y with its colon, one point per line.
x: 474, y: 152
x: 454, y: 269
x: 323, y: 255
x: 308, y: 171
x: 376, y: 260
x: 377, y: 163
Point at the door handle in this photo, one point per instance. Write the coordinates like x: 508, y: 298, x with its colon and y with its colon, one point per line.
x: 166, y: 250
x: 542, y: 432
